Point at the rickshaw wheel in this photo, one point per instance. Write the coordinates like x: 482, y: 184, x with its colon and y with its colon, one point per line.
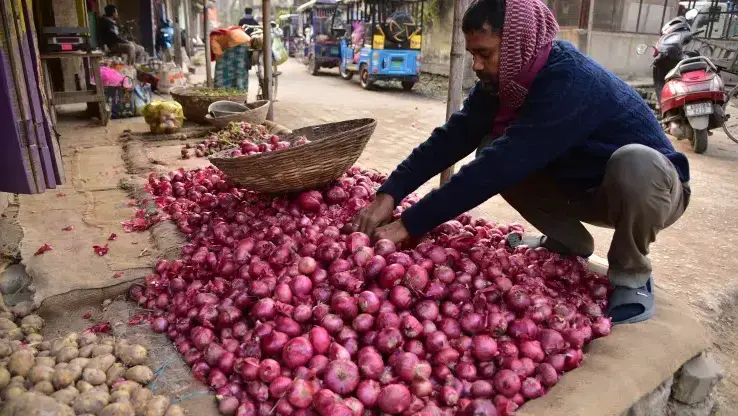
x: 364, y: 80
x: 345, y: 73
x: 313, y: 66
x: 408, y: 85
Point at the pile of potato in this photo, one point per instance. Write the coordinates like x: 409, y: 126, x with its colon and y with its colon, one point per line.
x: 77, y: 375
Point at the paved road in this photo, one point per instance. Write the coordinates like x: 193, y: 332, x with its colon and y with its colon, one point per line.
x: 693, y: 259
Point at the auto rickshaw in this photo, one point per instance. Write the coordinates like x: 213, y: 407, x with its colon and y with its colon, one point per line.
x: 381, y: 40
x: 322, y: 49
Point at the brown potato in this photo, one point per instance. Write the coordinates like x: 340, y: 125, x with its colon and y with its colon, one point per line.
x: 87, y: 339
x: 174, y: 410
x: 43, y: 354
x: 5, y: 349
x: 84, y: 386
x: 102, y: 387
x: 86, y: 351
x: 118, y: 409
x: 103, y: 362
x: 62, y: 378
x: 139, y: 399
x: 6, y: 324
x: 35, y: 404
x: 67, y: 354
x: 44, y: 346
x: 128, y: 385
x: 76, y: 370
x: 133, y: 355
x: 94, y: 376
x: 44, y: 387
x: 66, y: 395
x: 4, y: 377
x: 140, y: 374
x: 91, y: 402
x: 120, y: 396
x: 36, y: 339
x: 46, y: 361
x: 157, y: 406
x: 119, y: 346
x: 13, y: 391
x: 16, y: 334
x: 59, y: 366
x: 21, y: 362
x: 40, y: 373
x: 102, y: 350
x: 115, y: 372
x: 80, y: 362
x: 32, y: 324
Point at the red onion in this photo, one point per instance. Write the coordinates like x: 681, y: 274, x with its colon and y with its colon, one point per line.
x: 297, y: 352
x: 341, y: 376
x: 300, y: 394
x: 320, y: 340
x: 273, y: 343
x: 523, y: 329
x: 394, y: 399
x: 531, y: 388
x: 601, y: 327
x: 388, y: 340
x: 269, y: 370
x: 401, y: 297
x: 547, y: 374
x: 484, y: 347
x: 506, y: 382
x: 370, y: 365
x: 574, y: 337
x: 367, y: 392
x: 482, y: 389
x: 391, y: 276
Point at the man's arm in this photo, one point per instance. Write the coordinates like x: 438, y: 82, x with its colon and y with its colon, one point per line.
x: 447, y: 145
x: 556, y: 116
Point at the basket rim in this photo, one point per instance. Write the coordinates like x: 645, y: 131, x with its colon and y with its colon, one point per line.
x: 295, y: 133
x: 182, y: 92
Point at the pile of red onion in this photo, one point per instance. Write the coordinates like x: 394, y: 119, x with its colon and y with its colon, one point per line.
x: 244, y: 139
x: 282, y: 308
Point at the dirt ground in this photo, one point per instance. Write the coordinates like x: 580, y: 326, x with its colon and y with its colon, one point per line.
x: 691, y: 259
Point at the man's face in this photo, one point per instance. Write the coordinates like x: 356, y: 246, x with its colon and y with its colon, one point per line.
x: 115, y: 15
x: 484, y: 46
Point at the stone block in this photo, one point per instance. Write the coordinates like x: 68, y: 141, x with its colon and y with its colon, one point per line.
x: 654, y: 403
x: 13, y: 279
x: 706, y: 407
x: 697, y: 379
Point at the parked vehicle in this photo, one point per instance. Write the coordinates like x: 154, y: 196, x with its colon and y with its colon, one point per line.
x: 381, y: 40
x: 322, y: 49
x: 689, y: 88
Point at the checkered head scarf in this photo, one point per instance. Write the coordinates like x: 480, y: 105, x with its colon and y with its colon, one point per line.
x: 529, y: 27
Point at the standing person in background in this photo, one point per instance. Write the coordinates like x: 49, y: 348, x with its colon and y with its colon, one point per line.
x: 248, y: 18
x: 561, y: 139
x: 110, y: 36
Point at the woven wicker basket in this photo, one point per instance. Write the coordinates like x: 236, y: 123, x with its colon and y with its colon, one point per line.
x: 195, y: 102
x: 333, y: 148
x: 257, y: 114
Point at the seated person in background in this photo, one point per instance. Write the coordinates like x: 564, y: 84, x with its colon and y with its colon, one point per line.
x: 111, y: 38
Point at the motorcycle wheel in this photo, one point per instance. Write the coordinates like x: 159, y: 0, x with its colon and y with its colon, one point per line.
x: 699, y: 141
x: 313, y: 67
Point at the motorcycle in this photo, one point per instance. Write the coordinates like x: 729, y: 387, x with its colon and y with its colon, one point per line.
x: 689, y: 89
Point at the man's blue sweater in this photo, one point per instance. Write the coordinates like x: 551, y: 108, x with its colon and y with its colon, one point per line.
x: 574, y: 117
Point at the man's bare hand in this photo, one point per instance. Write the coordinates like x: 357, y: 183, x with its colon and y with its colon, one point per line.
x: 377, y: 214
x: 395, y: 232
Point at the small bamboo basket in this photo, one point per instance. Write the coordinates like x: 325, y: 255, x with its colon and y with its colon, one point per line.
x: 333, y: 148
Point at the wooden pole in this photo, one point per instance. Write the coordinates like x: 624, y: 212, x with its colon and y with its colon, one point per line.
x: 190, y: 29
x: 266, y: 14
x: 206, y: 25
x: 177, y: 29
x: 590, y: 24
x: 456, y: 72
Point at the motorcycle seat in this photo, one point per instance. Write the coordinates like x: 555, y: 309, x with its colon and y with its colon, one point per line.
x: 698, y: 63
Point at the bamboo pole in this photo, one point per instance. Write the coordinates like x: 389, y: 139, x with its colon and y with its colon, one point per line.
x: 590, y: 25
x: 206, y: 25
x: 456, y: 72
x: 266, y: 14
